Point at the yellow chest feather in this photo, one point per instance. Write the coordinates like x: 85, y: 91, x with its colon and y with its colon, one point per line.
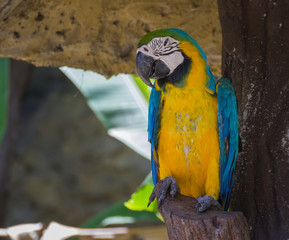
x: 188, y: 146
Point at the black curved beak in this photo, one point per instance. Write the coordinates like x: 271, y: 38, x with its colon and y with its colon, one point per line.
x: 147, y: 68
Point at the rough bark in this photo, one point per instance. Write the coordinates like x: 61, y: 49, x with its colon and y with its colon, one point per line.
x: 183, y: 222
x: 256, y: 58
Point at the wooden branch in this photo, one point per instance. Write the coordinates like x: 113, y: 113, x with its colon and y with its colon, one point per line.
x: 183, y: 222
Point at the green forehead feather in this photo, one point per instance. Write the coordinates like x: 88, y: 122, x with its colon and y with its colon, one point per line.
x: 168, y: 32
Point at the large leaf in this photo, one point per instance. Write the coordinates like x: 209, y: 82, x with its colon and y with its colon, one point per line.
x: 119, y: 103
x: 4, y: 95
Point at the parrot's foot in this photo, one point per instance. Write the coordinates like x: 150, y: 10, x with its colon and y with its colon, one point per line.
x: 205, y: 202
x: 166, y: 183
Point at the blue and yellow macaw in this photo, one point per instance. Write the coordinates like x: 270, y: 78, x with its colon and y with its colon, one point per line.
x: 193, y: 121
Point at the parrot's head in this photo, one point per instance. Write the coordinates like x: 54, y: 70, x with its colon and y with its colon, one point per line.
x: 167, y: 56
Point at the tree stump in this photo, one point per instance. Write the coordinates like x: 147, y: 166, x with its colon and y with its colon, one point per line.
x: 183, y: 222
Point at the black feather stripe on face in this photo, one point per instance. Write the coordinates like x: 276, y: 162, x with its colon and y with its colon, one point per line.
x: 178, y: 76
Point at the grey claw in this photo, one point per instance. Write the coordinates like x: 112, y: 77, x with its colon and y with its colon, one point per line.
x: 149, y: 203
x: 174, y: 188
x: 166, y: 183
x: 197, y: 209
x: 152, y: 198
x: 205, y: 203
x: 160, y: 201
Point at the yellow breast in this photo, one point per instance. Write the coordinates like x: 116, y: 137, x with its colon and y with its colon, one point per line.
x: 188, y: 147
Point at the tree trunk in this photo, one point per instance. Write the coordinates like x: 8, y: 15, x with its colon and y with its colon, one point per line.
x: 183, y: 222
x: 256, y: 59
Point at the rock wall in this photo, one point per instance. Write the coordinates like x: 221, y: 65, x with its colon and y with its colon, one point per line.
x: 100, y: 35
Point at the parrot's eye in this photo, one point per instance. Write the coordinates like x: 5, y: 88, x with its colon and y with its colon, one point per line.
x: 146, y: 49
x: 166, y: 41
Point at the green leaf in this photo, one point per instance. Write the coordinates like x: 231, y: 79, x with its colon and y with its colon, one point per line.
x: 139, y: 200
x: 145, y: 89
x: 4, y: 95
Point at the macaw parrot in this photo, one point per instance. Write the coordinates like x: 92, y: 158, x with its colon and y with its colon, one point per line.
x: 193, y: 121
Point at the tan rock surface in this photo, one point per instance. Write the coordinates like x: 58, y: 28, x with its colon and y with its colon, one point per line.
x: 100, y: 35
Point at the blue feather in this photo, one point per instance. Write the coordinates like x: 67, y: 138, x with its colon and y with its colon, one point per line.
x: 211, y: 80
x: 153, y: 126
x: 228, y: 135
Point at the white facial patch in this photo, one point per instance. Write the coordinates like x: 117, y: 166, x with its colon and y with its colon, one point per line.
x: 165, y: 49
x: 173, y: 60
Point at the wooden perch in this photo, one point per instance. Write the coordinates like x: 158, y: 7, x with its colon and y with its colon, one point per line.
x: 183, y: 222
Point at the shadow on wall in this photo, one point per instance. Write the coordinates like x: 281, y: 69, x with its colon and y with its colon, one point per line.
x: 65, y: 168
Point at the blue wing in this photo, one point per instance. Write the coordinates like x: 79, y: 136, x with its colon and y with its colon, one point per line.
x: 153, y: 126
x: 228, y: 137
